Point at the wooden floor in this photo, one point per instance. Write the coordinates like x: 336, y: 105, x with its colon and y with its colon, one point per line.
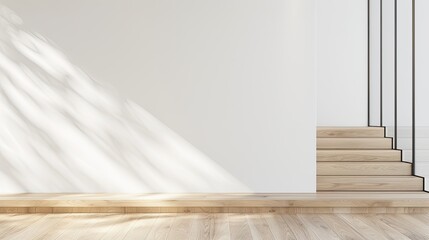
x: 214, y: 226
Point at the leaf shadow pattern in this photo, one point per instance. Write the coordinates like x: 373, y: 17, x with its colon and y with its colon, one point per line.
x: 61, y: 131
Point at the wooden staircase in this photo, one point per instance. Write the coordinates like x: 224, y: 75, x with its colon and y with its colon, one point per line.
x: 361, y: 159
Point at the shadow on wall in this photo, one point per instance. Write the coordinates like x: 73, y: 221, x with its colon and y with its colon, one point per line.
x: 60, y: 131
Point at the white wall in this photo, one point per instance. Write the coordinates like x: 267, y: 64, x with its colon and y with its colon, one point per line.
x: 233, y: 78
x: 422, y: 89
x: 404, y: 77
x: 341, y: 63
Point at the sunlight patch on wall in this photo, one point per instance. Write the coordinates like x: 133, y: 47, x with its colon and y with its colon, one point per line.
x: 61, y: 131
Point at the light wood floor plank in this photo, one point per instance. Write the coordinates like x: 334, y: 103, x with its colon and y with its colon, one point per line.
x: 259, y: 227
x: 80, y: 224
x: 279, y: 227
x: 365, y: 229
x: 96, y: 227
x: 12, y: 224
x: 422, y: 226
x: 119, y: 229
x: 407, y: 228
x: 239, y: 227
x: 424, y: 218
x: 220, y: 228
x: 386, y: 230
x: 4, y: 218
x: 141, y: 225
x: 181, y: 227
x: 202, y: 226
x: 162, y: 227
x: 340, y: 227
x: 298, y: 228
x: 318, y: 226
x: 61, y: 223
x: 36, y: 229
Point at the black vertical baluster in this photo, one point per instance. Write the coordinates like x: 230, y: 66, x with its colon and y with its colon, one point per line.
x: 413, y: 121
x: 369, y: 61
x: 396, y: 77
x: 381, y: 62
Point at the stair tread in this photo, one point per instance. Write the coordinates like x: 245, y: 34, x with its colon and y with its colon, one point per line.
x: 350, y: 132
x: 358, y: 155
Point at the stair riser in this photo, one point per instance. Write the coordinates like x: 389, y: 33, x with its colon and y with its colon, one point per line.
x: 340, y: 183
x: 354, y: 143
x: 363, y: 169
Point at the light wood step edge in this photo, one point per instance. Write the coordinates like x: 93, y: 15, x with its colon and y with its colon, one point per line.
x: 350, y: 132
x: 82, y: 200
x: 334, y: 209
x: 358, y: 155
x: 354, y: 143
x: 363, y: 168
x: 369, y: 183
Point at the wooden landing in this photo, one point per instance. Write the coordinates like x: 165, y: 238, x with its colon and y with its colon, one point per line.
x: 361, y: 202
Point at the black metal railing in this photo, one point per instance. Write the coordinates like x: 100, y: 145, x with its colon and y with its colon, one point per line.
x: 392, y: 97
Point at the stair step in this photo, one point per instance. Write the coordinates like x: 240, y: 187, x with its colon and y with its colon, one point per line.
x: 369, y: 183
x: 358, y: 155
x: 363, y: 168
x: 350, y: 132
x: 354, y: 143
